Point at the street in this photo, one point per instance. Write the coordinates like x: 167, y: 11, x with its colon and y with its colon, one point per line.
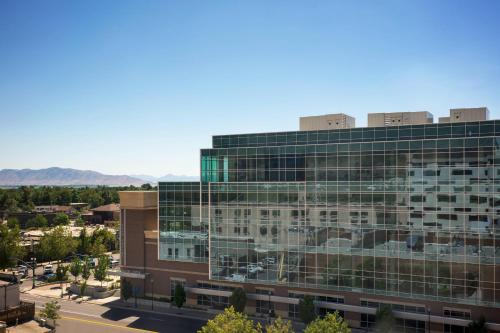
x: 87, y: 317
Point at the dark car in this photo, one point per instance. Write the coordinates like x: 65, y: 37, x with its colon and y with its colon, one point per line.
x: 47, y: 277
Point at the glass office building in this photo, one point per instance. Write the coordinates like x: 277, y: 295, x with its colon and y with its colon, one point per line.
x: 407, y: 211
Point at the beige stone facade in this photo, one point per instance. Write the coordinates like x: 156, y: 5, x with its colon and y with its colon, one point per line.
x: 399, y: 118
x: 466, y: 114
x: 327, y: 122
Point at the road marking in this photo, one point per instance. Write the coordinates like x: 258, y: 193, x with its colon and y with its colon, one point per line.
x: 106, y: 324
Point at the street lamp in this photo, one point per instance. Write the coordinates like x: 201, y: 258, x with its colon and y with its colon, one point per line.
x: 33, y: 266
x: 152, y: 295
x: 428, y: 320
x: 269, y: 293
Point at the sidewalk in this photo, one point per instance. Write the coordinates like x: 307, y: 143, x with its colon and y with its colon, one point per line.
x: 144, y: 306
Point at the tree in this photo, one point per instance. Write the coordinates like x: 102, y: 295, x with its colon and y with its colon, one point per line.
x: 75, y: 268
x: 13, y: 222
x: 307, y: 311
x: 238, y: 299
x: 61, y: 275
x: 60, y: 219
x: 51, y: 311
x: 83, y: 287
x: 478, y: 325
x: 97, y: 248
x: 79, y: 222
x: 101, y: 269
x: 384, y: 319
x: 179, y: 295
x: 126, y: 289
x: 57, y: 244
x: 331, y: 323
x: 84, y: 242
x: 86, y: 269
x: 61, y: 272
x: 280, y: 326
x: 104, y: 238
x: 39, y: 221
x: 231, y: 321
x: 10, y: 249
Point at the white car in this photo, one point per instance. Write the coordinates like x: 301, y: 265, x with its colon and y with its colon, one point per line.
x: 253, y: 268
x: 236, y: 278
x: 269, y: 261
x: 48, y: 269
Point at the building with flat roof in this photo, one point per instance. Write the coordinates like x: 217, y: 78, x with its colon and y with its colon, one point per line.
x: 326, y: 122
x: 466, y: 114
x: 399, y: 118
x: 406, y: 216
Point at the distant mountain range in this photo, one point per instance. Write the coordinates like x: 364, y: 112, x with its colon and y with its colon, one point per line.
x: 63, y: 176
x: 167, y: 178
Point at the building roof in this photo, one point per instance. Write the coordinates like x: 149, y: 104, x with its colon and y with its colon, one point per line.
x: 107, y: 208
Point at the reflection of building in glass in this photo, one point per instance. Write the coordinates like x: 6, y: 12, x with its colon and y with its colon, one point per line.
x: 358, y: 217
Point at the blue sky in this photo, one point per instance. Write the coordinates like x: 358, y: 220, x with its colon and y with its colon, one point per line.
x: 127, y: 87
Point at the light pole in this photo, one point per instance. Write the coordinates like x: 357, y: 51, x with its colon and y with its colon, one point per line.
x: 152, y: 295
x: 269, y: 305
x: 428, y: 320
x: 33, y: 266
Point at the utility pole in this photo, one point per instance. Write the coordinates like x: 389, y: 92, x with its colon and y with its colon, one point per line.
x: 33, y: 266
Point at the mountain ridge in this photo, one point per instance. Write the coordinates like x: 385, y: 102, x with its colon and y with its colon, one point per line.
x: 63, y: 176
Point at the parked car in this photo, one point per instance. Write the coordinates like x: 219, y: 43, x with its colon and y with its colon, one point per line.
x: 236, y: 278
x: 47, y: 277
x: 269, y: 261
x: 113, y: 262
x: 253, y: 268
x: 22, y: 270
x: 92, y: 261
x: 48, y: 269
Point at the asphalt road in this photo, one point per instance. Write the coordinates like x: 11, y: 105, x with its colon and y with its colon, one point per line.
x: 86, y: 318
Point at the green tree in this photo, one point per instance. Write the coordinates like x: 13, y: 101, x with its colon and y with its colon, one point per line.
x: 84, y: 242
x: 384, y: 319
x: 57, y: 244
x: 83, y: 287
x: 105, y: 238
x: 101, y: 269
x: 51, y: 311
x: 231, y: 321
x: 10, y: 248
x: 238, y: 299
x: 61, y: 272
x: 307, y: 311
x: 86, y: 269
x: 39, y: 221
x: 478, y: 326
x: 331, y: 323
x: 280, y: 326
x: 60, y: 219
x: 79, y: 222
x: 75, y: 268
x: 13, y: 222
x: 126, y: 289
x: 179, y: 295
x: 97, y: 248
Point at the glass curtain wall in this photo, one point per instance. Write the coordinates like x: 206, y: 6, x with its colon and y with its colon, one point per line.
x: 406, y: 217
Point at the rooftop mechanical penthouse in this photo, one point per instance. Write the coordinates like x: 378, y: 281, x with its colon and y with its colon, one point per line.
x: 405, y: 212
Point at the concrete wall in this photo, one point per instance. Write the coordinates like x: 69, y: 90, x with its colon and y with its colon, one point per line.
x: 399, y: 118
x: 138, y: 199
x: 9, y: 295
x: 326, y: 122
x: 469, y: 114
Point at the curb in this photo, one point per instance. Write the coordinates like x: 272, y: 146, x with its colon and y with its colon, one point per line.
x: 179, y: 315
